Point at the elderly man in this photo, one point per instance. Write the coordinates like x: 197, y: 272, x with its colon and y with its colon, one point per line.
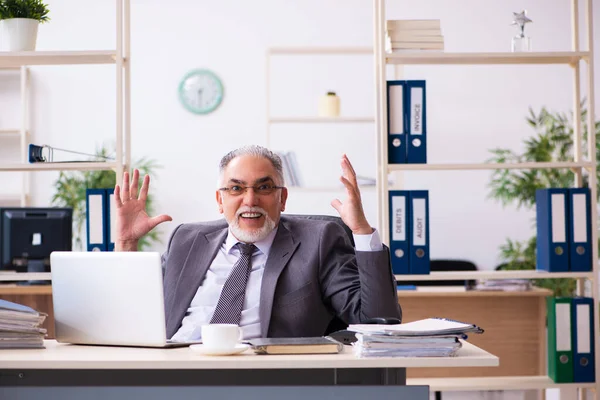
x: 275, y: 276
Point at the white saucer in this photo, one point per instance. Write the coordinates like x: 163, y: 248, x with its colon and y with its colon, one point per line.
x: 207, y: 351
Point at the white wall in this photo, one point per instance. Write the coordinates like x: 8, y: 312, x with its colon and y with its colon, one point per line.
x: 471, y: 109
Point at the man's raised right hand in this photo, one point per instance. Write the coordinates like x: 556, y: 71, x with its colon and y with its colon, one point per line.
x: 132, y: 220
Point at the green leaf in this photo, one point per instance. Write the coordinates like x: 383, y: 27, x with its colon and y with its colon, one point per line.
x: 33, y: 9
x: 70, y: 189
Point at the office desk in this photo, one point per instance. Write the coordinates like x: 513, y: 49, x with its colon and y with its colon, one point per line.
x: 514, y: 324
x: 34, y: 374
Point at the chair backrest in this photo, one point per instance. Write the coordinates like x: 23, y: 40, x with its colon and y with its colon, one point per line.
x: 332, y: 218
x: 336, y: 324
x: 447, y: 265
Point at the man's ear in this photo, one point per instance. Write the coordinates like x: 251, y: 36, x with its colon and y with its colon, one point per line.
x: 284, y: 195
x: 219, y: 198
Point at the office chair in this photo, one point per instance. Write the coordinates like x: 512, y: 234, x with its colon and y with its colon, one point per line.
x: 447, y: 265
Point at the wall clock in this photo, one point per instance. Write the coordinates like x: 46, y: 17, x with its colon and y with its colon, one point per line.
x: 201, y: 91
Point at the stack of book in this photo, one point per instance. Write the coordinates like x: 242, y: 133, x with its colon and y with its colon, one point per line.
x: 413, y: 34
x: 20, y: 326
x: 291, y: 174
x: 432, y: 337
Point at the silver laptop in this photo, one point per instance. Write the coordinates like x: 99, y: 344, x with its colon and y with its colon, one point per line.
x: 109, y: 298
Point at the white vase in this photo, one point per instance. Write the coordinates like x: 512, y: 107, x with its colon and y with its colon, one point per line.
x: 18, y: 34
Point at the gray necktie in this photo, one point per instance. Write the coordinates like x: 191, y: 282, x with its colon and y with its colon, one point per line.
x: 231, y: 301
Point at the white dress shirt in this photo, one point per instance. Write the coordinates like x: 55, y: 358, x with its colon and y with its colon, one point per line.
x: 205, y: 300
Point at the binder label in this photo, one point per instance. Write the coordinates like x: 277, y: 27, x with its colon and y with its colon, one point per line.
x: 112, y: 232
x: 559, y: 226
x: 579, y: 218
x: 399, y: 224
x: 563, y: 326
x: 583, y: 328
x: 96, y: 219
x: 419, y: 233
x: 396, y: 111
x: 416, y: 111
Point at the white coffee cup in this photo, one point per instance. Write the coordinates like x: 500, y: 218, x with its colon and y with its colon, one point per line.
x: 221, y: 336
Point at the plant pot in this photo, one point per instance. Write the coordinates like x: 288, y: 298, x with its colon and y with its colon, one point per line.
x: 18, y: 34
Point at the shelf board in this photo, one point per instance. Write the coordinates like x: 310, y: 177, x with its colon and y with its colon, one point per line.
x: 9, y: 132
x: 7, y: 199
x: 490, y: 166
x: 441, y: 58
x: 14, y: 289
x: 60, y: 166
x: 19, y: 58
x: 468, y: 275
x: 25, y: 276
x: 319, y: 50
x: 493, y: 383
x: 319, y: 120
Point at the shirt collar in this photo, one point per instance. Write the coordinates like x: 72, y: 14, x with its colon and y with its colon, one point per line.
x: 263, y: 245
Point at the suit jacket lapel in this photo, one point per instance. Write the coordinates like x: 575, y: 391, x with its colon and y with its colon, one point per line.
x: 201, y: 255
x: 282, y: 249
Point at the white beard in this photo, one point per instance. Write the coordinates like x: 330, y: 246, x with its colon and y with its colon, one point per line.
x: 252, y: 236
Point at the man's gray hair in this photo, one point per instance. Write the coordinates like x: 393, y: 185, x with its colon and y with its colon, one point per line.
x: 256, y: 151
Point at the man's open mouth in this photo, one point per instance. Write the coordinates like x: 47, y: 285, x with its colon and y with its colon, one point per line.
x: 250, y: 215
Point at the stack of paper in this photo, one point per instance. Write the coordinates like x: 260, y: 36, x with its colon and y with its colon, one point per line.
x: 505, y: 285
x: 411, y: 35
x: 20, y: 326
x: 432, y: 337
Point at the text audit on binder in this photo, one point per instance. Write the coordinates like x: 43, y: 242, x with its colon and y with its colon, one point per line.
x: 552, y: 233
x: 560, y: 353
x: 418, y: 212
x: 396, y: 122
x: 580, y: 227
x: 399, y: 231
x: 416, y: 102
x: 582, y: 332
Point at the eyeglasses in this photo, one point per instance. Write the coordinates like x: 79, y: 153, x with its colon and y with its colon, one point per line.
x: 261, y: 190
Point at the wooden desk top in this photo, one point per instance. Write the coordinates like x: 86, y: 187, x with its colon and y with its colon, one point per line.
x: 451, y: 291
x: 433, y: 291
x: 66, y: 356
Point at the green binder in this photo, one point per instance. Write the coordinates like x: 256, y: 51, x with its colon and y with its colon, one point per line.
x: 560, y: 352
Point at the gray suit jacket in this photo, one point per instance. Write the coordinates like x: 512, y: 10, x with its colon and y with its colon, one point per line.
x: 312, y: 274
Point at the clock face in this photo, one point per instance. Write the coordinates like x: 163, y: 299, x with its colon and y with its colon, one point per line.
x: 201, y: 91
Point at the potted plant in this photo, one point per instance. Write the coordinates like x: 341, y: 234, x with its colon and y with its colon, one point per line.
x: 553, y: 141
x: 19, y: 21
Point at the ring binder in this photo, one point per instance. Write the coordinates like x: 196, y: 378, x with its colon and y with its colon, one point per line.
x: 45, y: 153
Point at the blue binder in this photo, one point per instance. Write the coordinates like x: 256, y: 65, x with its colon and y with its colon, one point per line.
x: 110, y: 219
x: 582, y: 336
x: 399, y: 230
x: 580, y: 230
x: 397, y: 124
x: 416, y: 114
x: 419, y: 232
x: 95, y: 202
x: 552, y: 233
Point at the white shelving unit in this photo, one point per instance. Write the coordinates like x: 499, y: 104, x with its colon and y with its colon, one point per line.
x: 119, y: 57
x: 21, y: 133
x: 300, y: 51
x: 574, y: 58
